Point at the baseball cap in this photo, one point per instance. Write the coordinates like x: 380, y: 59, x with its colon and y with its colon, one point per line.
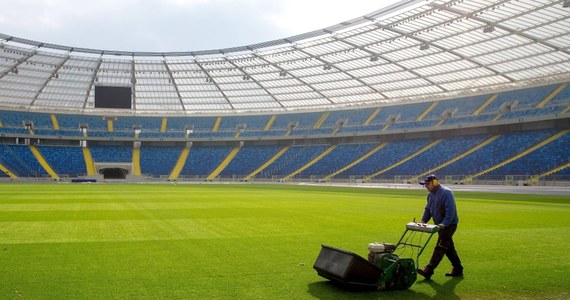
x: 428, y: 179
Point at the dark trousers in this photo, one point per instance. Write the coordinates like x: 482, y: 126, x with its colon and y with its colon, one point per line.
x: 445, y: 247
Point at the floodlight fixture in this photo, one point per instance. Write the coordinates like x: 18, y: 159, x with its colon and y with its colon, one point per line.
x: 566, y: 4
x: 327, y: 67
x: 488, y: 28
x: 374, y: 58
x: 424, y: 46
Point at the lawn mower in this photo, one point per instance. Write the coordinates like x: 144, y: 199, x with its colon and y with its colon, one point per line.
x: 388, y: 267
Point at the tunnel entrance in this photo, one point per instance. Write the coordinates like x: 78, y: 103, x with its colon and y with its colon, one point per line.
x: 114, y: 170
x: 114, y: 173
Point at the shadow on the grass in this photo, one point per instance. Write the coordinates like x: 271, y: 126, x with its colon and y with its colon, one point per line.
x: 327, y: 290
x: 444, y: 291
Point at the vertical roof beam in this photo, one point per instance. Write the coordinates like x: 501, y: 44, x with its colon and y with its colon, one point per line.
x: 214, y: 83
x: 254, y: 80
x: 93, y: 80
x: 51, y: 76
x: 173, y: 83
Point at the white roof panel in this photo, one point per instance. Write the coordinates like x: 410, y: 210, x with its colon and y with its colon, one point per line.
x: 417, y: 50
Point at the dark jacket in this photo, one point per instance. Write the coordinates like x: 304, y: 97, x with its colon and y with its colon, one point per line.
x: 441, y: 207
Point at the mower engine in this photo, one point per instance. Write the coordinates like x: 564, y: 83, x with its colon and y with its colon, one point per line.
x: 397, y: 273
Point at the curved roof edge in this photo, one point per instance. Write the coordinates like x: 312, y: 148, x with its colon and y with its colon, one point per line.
x: 371, y: 17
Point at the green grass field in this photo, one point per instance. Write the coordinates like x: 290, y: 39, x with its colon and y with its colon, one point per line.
x: 167, y: 241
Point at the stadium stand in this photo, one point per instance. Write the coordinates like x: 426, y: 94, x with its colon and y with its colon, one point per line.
x: 545, y: 158
x: 336, y: 159
x: 66, y: 161
x: 103, y: 153
x: 248, y: 159
x: 74, y: 121
x: 296, y: 157
x: 502, y: 148
x: 17, y: 119
x: 392, y: 153
x: 444, y: 151
x: 202, y: 161
x: 146, y: 123
x: 20, y: 160
x: 157, y: 161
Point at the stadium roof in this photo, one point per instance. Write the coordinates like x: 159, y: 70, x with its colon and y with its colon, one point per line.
x: 413, y: 50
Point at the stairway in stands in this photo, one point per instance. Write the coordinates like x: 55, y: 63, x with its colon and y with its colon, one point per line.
x: 350, y: 165
x: 551, y: 95
x: 424, y: 149
x: 43, y: 162
x: 372, y: 116
x: 8, y: 172
x: 267, y: 163
x: 223, y: 164
x: 485, y: 104
x: 447, y: 163
x: 534, y: 179
x: 89, y: 164
x: 179, y: 164
x: 136, y: 161
x: 310, y: 163
x: 321, y: 120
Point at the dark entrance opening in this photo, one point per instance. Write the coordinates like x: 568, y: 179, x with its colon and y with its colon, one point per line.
x: 114, y: 173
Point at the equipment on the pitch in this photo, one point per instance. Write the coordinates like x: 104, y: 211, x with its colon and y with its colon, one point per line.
x: 389, y: 266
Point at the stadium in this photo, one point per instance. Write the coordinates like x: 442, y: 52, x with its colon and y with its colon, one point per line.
x: 474, y: 91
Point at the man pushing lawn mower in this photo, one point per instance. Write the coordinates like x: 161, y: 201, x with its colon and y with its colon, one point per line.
x: 392, y: 266
x: 442, y: 208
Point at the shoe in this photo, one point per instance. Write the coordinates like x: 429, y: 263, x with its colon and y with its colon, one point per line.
x: 455, y: 273
x: 425, y: 272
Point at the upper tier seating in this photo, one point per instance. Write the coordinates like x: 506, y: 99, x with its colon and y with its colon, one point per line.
x: 355, y: 117
x: 562, y: 98
x: 525, y: 98
x: 230, y: 123
x: 406, y: 112
x: 17, y: 119
x: 460, y: 107
x: 146, y: 123
x: 522, y: 103
x: 68, y: 121
x: 304, y: 120
x: 198, y: 123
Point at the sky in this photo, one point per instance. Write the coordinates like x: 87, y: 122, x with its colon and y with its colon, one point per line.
x: 173, y: 25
